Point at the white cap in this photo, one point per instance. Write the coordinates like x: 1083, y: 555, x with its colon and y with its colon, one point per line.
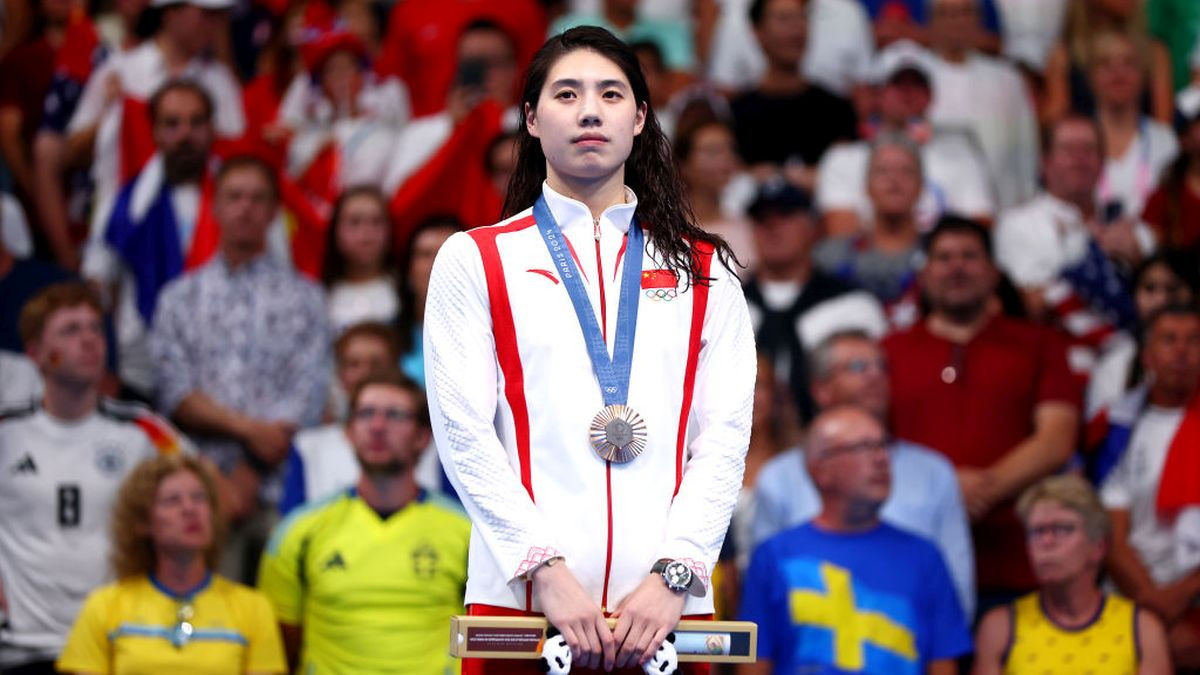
x: 901, y: 55
x: 206, y: 4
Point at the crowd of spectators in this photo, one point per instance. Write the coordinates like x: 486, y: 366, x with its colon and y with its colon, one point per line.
x: 969, y: 238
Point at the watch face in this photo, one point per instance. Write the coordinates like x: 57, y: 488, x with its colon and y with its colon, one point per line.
x: 678, y: 575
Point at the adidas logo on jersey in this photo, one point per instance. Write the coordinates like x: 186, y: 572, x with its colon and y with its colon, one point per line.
x: 26, y: 465
x: 334, y: 560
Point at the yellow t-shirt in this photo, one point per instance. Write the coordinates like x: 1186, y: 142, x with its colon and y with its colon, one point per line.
x: 1106, y: 646
x: 372, y: 595
x: 130, y: 627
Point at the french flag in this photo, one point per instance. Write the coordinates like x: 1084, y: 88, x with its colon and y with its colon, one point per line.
x: 144, y: 230
x: 1107, y: 434
x: 1180, y: 486
x: 1178, y: 499
x: 137, y: 137
x: 1108, y: 437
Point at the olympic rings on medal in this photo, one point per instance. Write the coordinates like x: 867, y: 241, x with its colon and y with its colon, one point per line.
x: 660, y: 294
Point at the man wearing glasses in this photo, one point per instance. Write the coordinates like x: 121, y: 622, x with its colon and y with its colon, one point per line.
x: 849, y: 368
x: 846, y: 591
x: 367, y: 580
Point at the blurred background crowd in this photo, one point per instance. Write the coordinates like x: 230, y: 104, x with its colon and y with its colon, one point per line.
x: 976, y: 220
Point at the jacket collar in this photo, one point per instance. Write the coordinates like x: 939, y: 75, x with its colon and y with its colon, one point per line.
x: 572, y: 214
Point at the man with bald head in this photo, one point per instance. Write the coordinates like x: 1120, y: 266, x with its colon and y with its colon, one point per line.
x: 850, y: 368
x: 846, y: 591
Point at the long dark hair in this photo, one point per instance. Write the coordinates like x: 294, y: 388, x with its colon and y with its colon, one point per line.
x: 663, y: 207
x: 333, y: 269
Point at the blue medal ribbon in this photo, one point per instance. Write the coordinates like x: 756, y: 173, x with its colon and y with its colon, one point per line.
x: 612, y: 373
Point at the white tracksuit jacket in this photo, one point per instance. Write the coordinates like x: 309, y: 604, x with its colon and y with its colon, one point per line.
x: 512, y: 395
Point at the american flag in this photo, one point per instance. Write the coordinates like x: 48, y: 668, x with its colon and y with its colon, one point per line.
x: 1091, y: 302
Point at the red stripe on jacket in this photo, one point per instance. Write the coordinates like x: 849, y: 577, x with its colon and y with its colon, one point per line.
x: 703, y: 257
x: 507, y: 353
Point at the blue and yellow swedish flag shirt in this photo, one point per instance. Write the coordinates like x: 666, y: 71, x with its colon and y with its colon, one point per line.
x: 879, y: 601
x: 133, y: 627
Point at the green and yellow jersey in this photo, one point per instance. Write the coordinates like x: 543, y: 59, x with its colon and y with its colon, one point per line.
x: 371, y: 594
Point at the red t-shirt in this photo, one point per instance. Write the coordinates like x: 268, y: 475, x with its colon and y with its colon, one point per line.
x: 422, y: 38
x: 996, y: 381
x: 1156, y: 216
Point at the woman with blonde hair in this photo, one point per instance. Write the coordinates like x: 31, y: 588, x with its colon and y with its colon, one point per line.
x: 167, y: 611
x: 1138, y: 147
x: 1069, y: 624
x: 1067, y: 86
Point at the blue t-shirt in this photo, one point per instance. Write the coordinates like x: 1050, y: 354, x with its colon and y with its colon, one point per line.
x: 879, y: 601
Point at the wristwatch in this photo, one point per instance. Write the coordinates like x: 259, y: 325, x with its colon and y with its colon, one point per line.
x: 678, y: 577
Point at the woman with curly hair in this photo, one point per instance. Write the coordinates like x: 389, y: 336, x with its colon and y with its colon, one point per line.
x: 167, y: 610
x: 590, y: 367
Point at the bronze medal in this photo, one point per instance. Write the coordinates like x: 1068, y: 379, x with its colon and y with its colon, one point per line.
x: 618, y: 433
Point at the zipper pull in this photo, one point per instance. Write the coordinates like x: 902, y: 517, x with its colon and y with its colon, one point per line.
x: 596, y: 228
